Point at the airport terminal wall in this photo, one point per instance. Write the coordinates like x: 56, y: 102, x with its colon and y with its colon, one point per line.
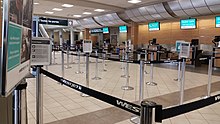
x: 170, y: 31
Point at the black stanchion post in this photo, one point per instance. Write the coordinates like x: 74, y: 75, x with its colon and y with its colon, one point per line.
x: 39, y: 96
x: 147, y: 116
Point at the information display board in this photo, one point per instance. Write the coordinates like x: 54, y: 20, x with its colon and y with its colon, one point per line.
x: 188, y: 24
x: 154, y: 26
x: 41, y: 51
x: 122, y: 29
x: 178, y: 44
x: 96, y: 31
x: 105, y: 30
x: 184, y: 50
x: 51, y: 21
x: 217, y: 21
x: 15, y: 52
x: 87, y: 46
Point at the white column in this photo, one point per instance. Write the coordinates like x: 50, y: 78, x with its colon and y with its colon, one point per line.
x: 61, y: 37
x: 72, y: 38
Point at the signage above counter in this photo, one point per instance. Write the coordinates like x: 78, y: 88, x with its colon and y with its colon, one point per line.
x: 217, y: 21
x: 50, y: 21
x: 154, y: 26
x: 188, y: 24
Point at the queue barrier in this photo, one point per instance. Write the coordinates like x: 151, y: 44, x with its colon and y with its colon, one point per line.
x: 145, y: 111
x: 130, y: 61
x: 125, y: 105
x: 185, y: 108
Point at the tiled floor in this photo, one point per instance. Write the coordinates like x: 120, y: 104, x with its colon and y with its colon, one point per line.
x: 61, y: 102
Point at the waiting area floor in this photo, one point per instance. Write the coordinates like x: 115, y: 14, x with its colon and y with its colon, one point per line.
x: 63, y: 105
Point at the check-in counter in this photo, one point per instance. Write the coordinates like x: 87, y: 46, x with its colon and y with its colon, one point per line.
x: 216, y: 54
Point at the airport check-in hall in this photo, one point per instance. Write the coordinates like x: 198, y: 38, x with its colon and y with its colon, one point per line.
x: 110, y: 62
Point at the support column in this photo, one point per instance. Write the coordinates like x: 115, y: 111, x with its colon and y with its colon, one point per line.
x: 61, y: 37
x: 86, y: 34
x: 134, y: 33
x: 72, y: 38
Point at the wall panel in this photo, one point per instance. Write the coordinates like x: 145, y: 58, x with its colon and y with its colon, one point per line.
x: 170, y: 32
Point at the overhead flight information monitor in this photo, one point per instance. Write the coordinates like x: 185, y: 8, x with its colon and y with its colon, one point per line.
x: 188, y: 24
x: 217, y: 21
x: 122, y: 29
x: 105, y: 30
x: 154, y: 26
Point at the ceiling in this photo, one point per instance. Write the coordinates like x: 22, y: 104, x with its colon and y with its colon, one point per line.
x: 81, y: 6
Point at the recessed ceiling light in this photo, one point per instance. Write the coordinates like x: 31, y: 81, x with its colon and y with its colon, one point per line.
x: 36, y: 3
x: 67, y: 5
x: 99, y: 10
x: 57, y: 9
x: 87, y: 13
x: 77, y: 16
x: 134, y: 1
x: 48, y: 12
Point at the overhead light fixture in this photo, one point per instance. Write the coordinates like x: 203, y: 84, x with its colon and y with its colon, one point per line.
x: 48, y: 12
x: 57, y: 9
x: 134, y: 1
x: 67, y: 5
x: 78, y: 16
x: 36, y: 3
x: 99, y: 10
x: 87, y: 13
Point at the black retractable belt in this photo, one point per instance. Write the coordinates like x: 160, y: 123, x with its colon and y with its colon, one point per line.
x: 125, y: 105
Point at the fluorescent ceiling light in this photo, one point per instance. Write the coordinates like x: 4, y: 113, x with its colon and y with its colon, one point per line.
x: 134, y: 1
x: 36, y: 3
x: 48, y: 12
x: 99, y: 10
x: 57, y: 9
x: 77, y: 16
x: 67, y: 5
x: 87, y: 13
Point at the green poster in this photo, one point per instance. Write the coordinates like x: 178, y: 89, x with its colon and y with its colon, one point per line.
x: 14, y: 46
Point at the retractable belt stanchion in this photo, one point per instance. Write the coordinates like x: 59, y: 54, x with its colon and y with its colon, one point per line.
x: 123, y: 64
x: 136, y: 119
x: 127, y: 87
x: 179, y: 72
x: 147, y: 112
x: 87, y: 74
x: 62, y: 63
x: 54, y: 57
x: 103, y: 60
x: 71, y: 58
x: 79, y: 70
x: 145, y: 58
x: 182, y: 84
x: 68, y: 56
x: 96, y: 67
x: 209, y: 77
x: 39, y: 96
x: 151, y: 82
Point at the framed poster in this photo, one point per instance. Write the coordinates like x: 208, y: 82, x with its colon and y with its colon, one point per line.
x: 114, y: 40
x: 15, y: 52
